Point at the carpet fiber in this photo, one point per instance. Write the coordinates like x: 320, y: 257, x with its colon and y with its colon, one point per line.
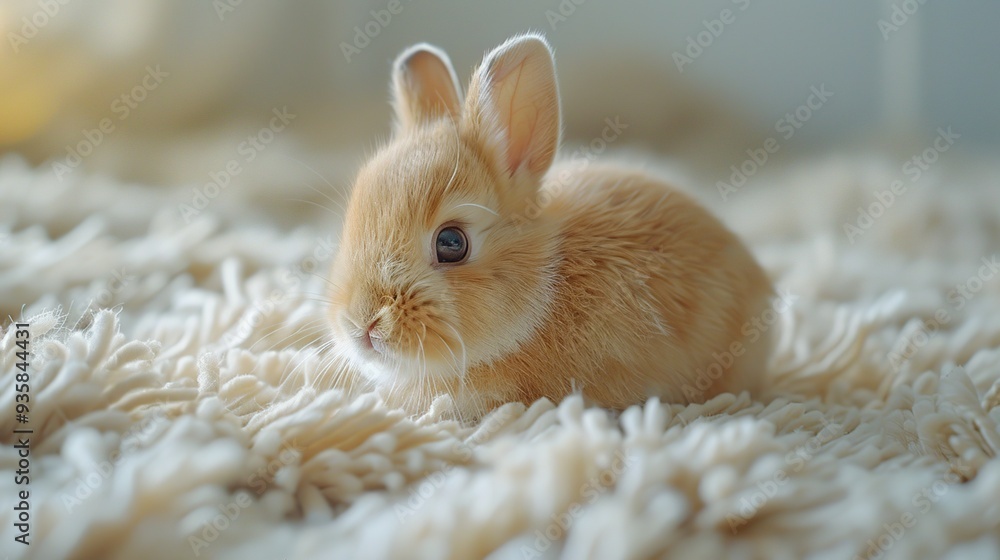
x: 179, y: 407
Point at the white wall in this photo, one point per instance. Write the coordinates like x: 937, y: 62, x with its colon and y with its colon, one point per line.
x: 763, y: 62
x: 228, y: 68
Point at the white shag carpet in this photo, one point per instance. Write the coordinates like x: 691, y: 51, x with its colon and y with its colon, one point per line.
x: 190, y: 420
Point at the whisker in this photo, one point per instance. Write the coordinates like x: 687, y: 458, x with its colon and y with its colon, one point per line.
x: 318, y: 299
x: 325, y: 279
x: 458, y: 154
x: 480, y: 206
x: 311, y: 331
x: 422, y: 357
x: 316, y: 204
x: 318, y: 174
x: 462, y: 343
x: 332, y: 366
x: 286, y: 375
x: 311, y: 328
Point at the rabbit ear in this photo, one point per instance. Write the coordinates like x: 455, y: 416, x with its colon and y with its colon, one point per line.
x: 424, y: 86
x: 513, y: 105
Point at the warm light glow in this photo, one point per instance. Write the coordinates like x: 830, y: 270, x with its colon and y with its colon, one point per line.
x: 26, y: 102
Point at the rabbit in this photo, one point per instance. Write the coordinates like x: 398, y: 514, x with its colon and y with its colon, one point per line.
x: 474, y: 265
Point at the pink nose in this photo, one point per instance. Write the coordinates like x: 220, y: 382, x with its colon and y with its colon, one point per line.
x: 372, y: 339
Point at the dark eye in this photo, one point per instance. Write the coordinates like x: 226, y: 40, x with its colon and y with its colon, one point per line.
x: 451, y: 245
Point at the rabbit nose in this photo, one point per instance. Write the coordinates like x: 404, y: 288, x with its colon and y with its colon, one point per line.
x: 371, y: 338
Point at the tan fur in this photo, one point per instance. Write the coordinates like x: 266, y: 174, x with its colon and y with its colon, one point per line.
x: 594, y: 278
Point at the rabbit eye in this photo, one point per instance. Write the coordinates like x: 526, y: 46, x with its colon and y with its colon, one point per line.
x: 451, y: 245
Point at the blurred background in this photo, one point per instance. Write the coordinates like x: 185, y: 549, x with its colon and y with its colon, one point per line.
x: 169, y: 91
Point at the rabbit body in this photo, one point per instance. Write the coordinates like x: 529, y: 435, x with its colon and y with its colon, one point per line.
x: 474, y: 264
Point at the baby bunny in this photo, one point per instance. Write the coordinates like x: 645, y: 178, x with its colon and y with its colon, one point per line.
x: 472, y: 264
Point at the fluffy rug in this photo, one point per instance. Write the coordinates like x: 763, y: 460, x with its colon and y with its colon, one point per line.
x: 179, y: 407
